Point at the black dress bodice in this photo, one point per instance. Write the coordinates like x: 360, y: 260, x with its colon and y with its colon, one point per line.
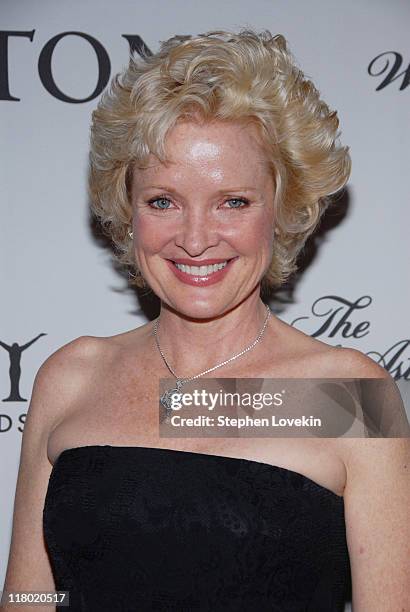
x: 136, y: 529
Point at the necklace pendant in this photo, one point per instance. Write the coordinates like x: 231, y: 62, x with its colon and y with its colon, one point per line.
x: 167, y: 397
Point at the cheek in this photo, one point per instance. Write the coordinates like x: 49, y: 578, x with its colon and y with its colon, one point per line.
x: 257, y: 236
x: 150, y: 234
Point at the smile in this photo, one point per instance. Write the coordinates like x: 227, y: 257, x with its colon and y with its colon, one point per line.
x: 201, y: 270
x: 201, y: 275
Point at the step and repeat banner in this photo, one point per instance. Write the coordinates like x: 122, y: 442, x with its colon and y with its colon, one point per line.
x: 57, y: 278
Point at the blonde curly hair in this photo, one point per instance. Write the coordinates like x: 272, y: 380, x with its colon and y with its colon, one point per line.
x: 231, y: 77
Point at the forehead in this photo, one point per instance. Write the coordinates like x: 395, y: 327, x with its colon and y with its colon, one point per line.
x: 217, y: 151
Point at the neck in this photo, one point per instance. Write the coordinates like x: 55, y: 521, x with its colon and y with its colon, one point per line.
x: 193, y: 345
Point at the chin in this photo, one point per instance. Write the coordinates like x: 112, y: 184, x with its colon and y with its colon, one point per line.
x: 197, y: 310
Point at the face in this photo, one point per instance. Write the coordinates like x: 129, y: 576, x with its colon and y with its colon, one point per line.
x: 210, y: 209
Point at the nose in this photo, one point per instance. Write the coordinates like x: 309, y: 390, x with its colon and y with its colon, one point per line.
x: 197, y: 232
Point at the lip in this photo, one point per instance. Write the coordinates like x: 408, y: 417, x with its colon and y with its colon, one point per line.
x: 202, y: 262
x: 201, y: 281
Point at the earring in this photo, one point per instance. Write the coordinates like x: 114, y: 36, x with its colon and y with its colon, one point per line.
x: 130, y: 234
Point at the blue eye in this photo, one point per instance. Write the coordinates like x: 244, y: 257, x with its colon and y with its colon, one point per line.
x: 153, y: 200
x: 242, y: 201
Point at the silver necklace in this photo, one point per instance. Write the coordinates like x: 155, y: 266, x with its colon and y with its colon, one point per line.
x: 166, y: 397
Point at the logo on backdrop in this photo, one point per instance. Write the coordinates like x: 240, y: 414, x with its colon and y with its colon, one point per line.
x: 388, y: 64
x: 15, y: 351
x: 135, y: 43
x: 332, y: 315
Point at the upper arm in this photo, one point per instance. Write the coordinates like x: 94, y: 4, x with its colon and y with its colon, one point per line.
x: 56, y: 384
x: 377, y: 502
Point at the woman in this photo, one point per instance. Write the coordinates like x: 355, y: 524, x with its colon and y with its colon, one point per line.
x: 211, y: 163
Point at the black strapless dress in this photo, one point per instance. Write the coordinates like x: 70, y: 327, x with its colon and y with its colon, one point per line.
x: 137, y: 528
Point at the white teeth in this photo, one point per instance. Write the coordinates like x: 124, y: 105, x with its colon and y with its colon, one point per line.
x: 201, y: 270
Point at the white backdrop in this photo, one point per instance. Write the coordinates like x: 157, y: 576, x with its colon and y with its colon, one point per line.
x: 55, y: 277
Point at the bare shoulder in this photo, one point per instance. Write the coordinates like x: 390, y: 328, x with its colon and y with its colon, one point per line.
x: 353, y: 363
x: 78, y: 348
x: 72, y: 356
x: 62, y: 377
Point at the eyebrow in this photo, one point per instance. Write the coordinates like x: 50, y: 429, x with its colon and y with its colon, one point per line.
x: 219, y: 191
